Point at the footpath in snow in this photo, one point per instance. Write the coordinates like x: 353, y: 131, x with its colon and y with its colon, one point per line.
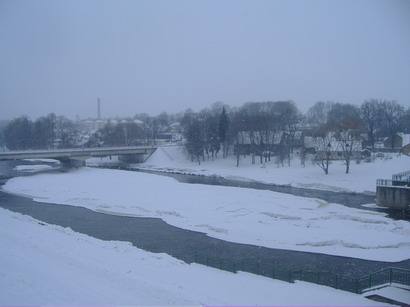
x: 362, y: 177
x: 46, y: 264
x: 261, y: 218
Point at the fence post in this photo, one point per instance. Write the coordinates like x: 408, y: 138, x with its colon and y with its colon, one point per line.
x: 336, y: 281
x: 391, y: 276
x: 370, y: 280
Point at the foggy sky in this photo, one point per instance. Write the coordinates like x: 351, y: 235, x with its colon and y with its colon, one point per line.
x: 153, y: 56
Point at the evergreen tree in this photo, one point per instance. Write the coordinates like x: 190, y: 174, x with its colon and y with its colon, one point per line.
x: 223, y: 130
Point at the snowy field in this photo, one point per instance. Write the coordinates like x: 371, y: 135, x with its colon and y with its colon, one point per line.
x: 361, y: 179
x: 46, y: 264
x: 262, y: 218
x: 32, y: 168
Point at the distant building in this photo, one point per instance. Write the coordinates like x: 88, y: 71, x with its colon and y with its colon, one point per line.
x: 406, y: 149
x: 334, y: 147
x: 398, y: 141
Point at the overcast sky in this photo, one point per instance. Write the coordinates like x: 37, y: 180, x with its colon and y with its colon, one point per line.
x: 153, y: 56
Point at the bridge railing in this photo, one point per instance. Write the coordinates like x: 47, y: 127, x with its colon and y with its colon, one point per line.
x: 76, y: 152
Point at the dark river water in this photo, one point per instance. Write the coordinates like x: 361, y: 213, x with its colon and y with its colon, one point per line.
x: 153, y: 234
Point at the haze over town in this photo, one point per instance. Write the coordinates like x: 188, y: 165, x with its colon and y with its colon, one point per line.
x: 154, y: 56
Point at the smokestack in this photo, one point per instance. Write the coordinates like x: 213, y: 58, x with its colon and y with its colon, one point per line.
x: 98, y: 108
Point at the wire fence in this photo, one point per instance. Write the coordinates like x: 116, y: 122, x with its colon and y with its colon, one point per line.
x: 273, y: 270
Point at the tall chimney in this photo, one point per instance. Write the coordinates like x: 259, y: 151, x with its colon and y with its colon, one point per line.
x: 98, y: 108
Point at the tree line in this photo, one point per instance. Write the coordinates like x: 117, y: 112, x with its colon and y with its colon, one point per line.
x: 261, y: 131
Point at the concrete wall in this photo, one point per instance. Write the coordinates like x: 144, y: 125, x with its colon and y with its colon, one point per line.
x: 393, y: 197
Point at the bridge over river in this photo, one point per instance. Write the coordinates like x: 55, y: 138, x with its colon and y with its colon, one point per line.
x: 77, y: 156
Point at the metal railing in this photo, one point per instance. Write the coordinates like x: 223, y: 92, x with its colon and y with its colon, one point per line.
x: 398, y: 180
x: 403, y: 176
x: 392, y: 183
x: 379, y: 278
x: 383, y: 277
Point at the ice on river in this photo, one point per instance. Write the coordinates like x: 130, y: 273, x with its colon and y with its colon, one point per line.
x: 262, y: 218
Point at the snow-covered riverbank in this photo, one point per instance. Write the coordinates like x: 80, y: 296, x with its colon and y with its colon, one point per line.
x: 249, y: 216
x: 361, y: 179
x: 46, y: 264
x: 32, y: 168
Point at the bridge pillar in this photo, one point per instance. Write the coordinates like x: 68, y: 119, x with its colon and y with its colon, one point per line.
x: 71, y: 163
x: 132, y: 158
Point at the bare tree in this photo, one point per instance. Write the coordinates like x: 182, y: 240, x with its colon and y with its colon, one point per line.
x: 391, y: 112
x: 316, y: 116
x: 369, y: 112
x: 345, y: 123
x: 323, y: 143
x: 348, y: 142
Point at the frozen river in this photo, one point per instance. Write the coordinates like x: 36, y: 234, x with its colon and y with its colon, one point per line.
x: 153, y: 234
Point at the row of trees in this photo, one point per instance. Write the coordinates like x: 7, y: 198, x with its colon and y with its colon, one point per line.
x: 45, y: 132
x: 254, y: 124
x: 274, y: 128
x: 345, y: 122
x: 122, y: 134
x: 378, y: 118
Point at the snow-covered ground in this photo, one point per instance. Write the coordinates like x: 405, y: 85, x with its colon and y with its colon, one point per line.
x: 46, y: 264
x: 362, y: 177
x: 395, y: 293
x: 249, y: 216
x: 32, y: 168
